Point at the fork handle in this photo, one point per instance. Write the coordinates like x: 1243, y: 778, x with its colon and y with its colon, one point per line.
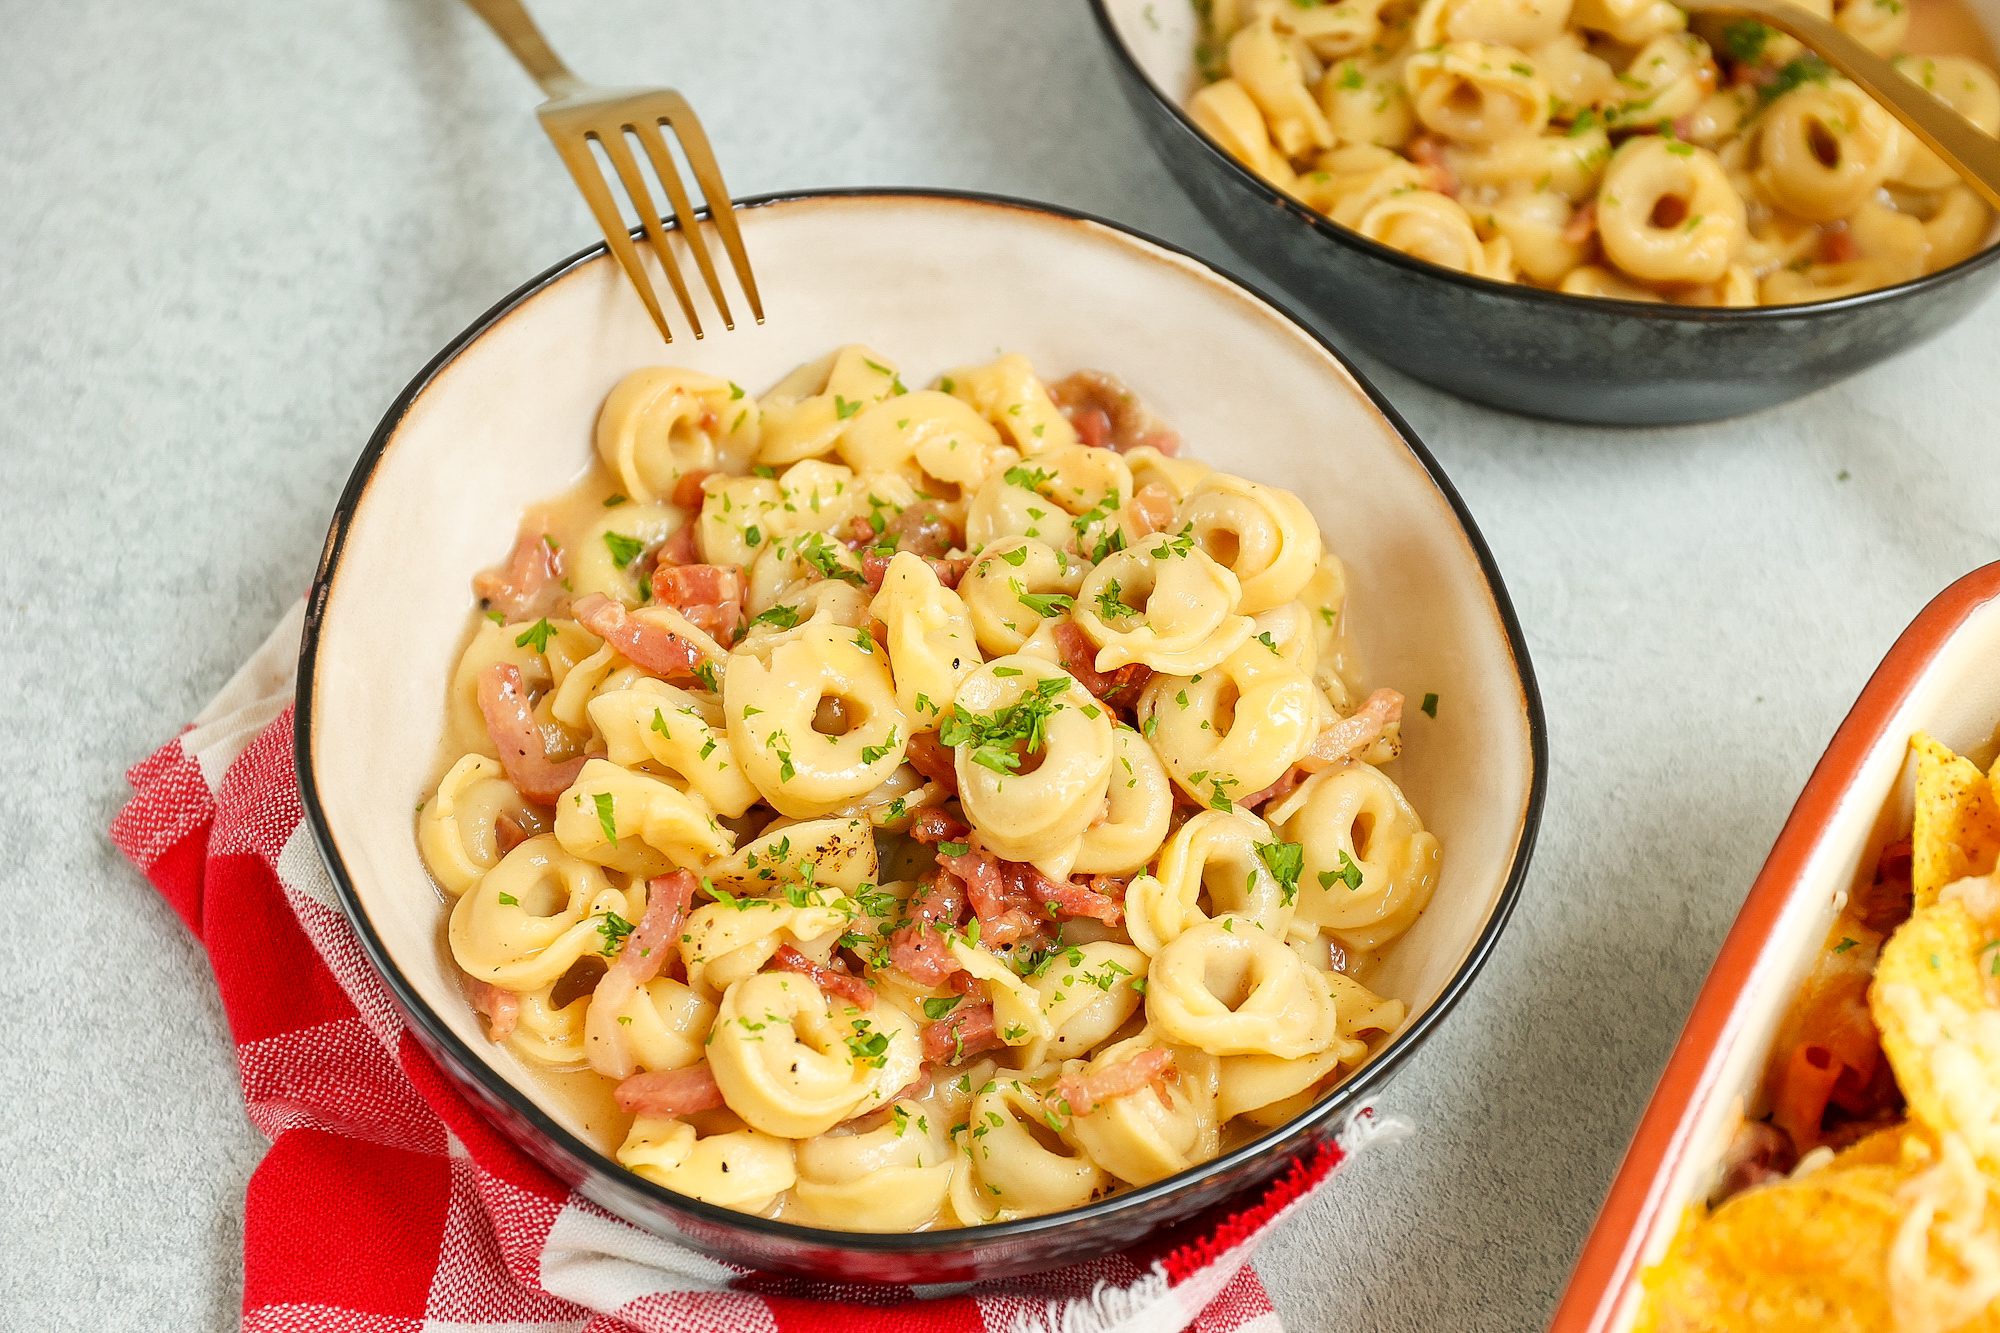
x: 513, y: 25
x: 1973, y: 155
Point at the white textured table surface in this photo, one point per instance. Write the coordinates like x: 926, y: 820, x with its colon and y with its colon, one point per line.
x: 231, y: 232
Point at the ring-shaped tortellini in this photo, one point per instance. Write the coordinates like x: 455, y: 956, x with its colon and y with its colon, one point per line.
x: 605, y: 671
x: 1667, y: 212
x: 1066, y: 495
x: 1351, y: 179
x: 1155, y: 1131
x: 532, y: 916
x: 1011, y: 585
x: 1033, y: 755
x: 1630, y: 22
x: 1879, y: 25
x: 829, y: 603
x: 1568, y: 165
x: 1165, y: 603
x: 1271, y: 1090
x: 1370, y: 865
x: 1139, y: 804
x: 892, y: 1178
x: 790, y: 566
x: 1436, y: 228
x: 1263, y: 535
x: 1015, y: 1163
x: 661, y: 423
x: 740, y: 1169
x: 1224, y: 857
x: 805, y: 412
x: 1225, y: 112
x: 931, y: 641
x: 1019, y: 1016
x: 1670, y: 76
x: 1365, y: 103
x: 1537, y: 225
x: 542, y: 657
x: 814, y: 721
x: 654, y: 727
x: 1230, y: 988
x: 1009, y: 394
x: 788, y: 1062
x: 833, y: 853
x: 1521, y: 24
x: 1237, y: 727
x: 458, y: 828
x: 1477, y: 92
x: 1086, y: 992
x: 906, y: 433
x: 660, y: 1025
x: 628, y: 821
x: 1825, y: 148
x: 1265, y: 64
x: 550, y: 1034
x: 724, y: 942
x: 614, y: 555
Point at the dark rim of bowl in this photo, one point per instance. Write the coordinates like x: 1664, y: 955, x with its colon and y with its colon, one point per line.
x: 589, y: 1161
x: 1130, y: 67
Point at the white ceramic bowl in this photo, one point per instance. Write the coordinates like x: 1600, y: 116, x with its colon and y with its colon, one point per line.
x: 504, y: 416
x: 1939, y: 677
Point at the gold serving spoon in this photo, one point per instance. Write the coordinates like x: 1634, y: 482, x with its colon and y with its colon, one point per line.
x: 578, y: 115
x: 1973, y: 155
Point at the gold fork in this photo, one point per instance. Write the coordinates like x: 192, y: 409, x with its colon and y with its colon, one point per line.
x: 578, y: 115
x: 1973, y: 155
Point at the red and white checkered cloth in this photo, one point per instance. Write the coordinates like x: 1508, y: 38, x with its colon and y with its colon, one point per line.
x: 388, y: 1205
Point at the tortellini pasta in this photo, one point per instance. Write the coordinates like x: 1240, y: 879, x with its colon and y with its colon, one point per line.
x: 1598, y: 147
x: 927, y: 804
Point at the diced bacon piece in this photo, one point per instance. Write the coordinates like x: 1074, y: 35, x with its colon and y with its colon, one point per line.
x: 510, y: 721
x: 1428, y: 152
x: 1107, y: 415
x: 687, y: 490
x: 1837, y: 244
x: 967, y: 1030
x: 1067, y: 898
x: 523, y: 586
x: 652, y: 944
x: 654, y: 647
x: 1352, y: 734
x: 933, y: 758
x: 678, y: 549
x: 1888, y: 899
x: 918, y: 948
x: 1286, y: 784
x: 1086, y: 1092
x: 669, y: 1094
x: 934, y: 824
x: 1582, y: 224
x: 501, y: 1007
x: 710, y: 596
x: 1079, y: 658
x: 1006, y: 914
x: 922, y: 528
x: 836, y: 983
x: 1152, y: 509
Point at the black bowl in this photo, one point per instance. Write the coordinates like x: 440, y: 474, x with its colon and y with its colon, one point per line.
x: 501, y: 416
x: 1545, y: 354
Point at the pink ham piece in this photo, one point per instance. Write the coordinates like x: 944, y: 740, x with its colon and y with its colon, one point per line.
x: 688, y: 493
x: 653, y: 647
x: 949, y: 569
x: 935, y: 760
x: 933, y: 825
x: 1086, y: 1092
x: 1006, y: 915
x: 678, y: 549
x: 836, y: 983
x: 501, y: 1007
x: 1107, y: 415
x: 647, y: 950
x: 918, y: 949
x: 1152, y: 509
x: 1079, y: 658
x: 710, y: 596
x: 510, y: 721
x: 669, y: 1094
x: 519, y: 589
x: 968, y: 1030
x: 1352, y: 734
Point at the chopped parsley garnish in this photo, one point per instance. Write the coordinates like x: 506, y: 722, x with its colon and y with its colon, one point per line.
x: 1046, y: 604
x: 509, y: 900
x: 871, y: 753
x: 1285, y: 861
x: 784, y: 617
x: 1744, y: 40
x: 613, y: 501
x: 1430, y: 705
x: 537, y: 636
x: 624, y: 550
x: 938, y: 1006
x: 953, y: 848
x: 844, y: 409
x: 1111, y: 602
x: 997, y: 742
x: 606, y: 820
x: 705, y: 673
x: 1348, y: 873
x: 1795, y: 74
x: 1016, y: 557
x: 1846, y: 942
x: 1027, y: 478
x: 816, y: 551
x: 614, y: 928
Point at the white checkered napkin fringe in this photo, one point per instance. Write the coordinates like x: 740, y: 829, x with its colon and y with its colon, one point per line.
x: 515, y: 1252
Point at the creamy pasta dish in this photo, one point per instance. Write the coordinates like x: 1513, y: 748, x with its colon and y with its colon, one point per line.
x: 917, y: 808
x: 1602, y: 147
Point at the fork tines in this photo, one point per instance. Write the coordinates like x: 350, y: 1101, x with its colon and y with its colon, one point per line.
x: 611, y: 121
